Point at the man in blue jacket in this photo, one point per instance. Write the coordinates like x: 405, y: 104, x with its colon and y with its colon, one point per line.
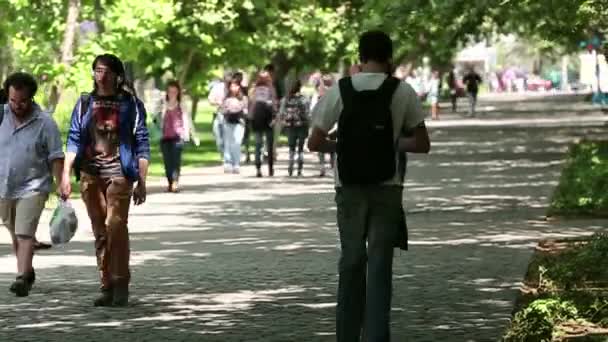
x: 108, y: 148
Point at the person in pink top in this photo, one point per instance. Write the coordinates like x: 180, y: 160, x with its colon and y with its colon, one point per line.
x: 177, y: 128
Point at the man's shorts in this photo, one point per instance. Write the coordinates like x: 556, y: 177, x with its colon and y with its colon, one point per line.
x: 21, y: 215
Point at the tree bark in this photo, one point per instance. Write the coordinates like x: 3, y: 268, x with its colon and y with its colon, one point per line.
x: 195, y: 100
x: 67, y: 48
x: 184, y: 74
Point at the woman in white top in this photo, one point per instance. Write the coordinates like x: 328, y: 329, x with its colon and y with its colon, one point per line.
x: 234, y: 109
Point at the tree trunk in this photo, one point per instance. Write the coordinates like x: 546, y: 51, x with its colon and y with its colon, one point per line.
x: 184, y: 74
x: 67, y: 48
x: 195, y: 100
x: 98, y: 15
x: 282, y: 66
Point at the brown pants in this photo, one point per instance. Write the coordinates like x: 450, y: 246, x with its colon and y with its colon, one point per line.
x: 107, y: 202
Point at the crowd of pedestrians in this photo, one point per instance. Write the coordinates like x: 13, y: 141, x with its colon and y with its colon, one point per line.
x: 364, y: 124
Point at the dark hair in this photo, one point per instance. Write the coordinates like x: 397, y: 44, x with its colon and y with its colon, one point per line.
x: 269, y: 68
x: 174, y: 84
x: 237, y: 76
x: 3, y: 96
x: 263, y: 79
x: 235, y: 81
x: 116, y: 66
x: 295, y: 88
x: 375, y: 46
x: 20, y: 81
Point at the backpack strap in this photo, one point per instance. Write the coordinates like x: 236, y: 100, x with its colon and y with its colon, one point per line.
x: 85, y: 101
x: 347, y: 91
x: 388, y: 87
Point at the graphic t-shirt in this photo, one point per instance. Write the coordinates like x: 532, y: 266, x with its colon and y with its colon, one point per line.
x: 173, y: 125
x: 102, y: 155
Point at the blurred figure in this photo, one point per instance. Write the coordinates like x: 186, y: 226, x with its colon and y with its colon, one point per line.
x: 263, y: 105
x: 453, y: 86
x: 472, y: 81
x: 234, y: 110
x: 322, y: 86
x: 433, y: 95
x: 294, y: 116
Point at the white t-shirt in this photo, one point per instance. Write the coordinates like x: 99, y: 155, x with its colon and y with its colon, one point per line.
x: 405, y: 107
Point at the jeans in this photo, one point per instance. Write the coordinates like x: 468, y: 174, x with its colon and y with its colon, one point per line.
x: 267, y: 134
x: 233, y: 137
x: 332, y: 160
x: 107, y: 202
x: 246, y: 140
x: 472, y: 102
x: 218, y: 131
x: 372, y: 214
x: 295, y: 139
x: 172, y: 158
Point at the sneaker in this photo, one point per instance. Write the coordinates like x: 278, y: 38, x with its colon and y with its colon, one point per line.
x: 290, y: 171
x: 271, y: 173
x: 322, y: 173
x: 258, y: 174
x: 105, y: 298
x: 300, y: 173
x: 236, y: 171
x: 121, y: 296
x: 41, y: 245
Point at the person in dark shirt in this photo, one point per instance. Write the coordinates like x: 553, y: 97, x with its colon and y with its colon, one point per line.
x: 472, y: 81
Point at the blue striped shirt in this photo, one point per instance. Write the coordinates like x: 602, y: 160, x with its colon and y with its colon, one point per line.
x: 26, y: 153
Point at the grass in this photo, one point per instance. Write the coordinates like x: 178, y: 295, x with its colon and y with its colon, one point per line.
x: 583, y: 185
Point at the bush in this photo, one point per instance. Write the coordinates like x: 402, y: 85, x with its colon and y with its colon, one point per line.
x: 583, y: 186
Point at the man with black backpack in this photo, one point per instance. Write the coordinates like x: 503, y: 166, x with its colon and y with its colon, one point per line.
x: 371, y: 109
x: 108, y: 146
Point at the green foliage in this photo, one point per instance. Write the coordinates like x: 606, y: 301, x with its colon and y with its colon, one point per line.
x: 581, y: 264
x: 537, y: 321
x: 568, y: 288
x: 583, y: 186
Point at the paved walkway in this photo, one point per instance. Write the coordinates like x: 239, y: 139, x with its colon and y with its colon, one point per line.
x: 235, y: 258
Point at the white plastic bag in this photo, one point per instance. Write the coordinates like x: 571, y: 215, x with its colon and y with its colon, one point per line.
x: 64, y: 223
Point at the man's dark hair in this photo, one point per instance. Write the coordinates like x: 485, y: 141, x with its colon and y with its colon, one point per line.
x: 295, y: 88
x: 3, y: 96
x: 20, y: 81
x: 116, y: 66
x: 375, y: 46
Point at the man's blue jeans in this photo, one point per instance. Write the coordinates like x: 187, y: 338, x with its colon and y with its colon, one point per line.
x: 369, y: 220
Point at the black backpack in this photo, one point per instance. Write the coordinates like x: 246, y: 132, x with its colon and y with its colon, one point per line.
x: 366, y: 146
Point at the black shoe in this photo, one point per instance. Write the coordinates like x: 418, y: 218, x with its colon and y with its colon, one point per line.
x: 41, y: 245
x: 259, y: 174
x: 322, y: 173
x: 105, y: 298
x: 121, y: 296
x: 299, y: 173
x: 23, y: 284
x: 271, y: 172
x: 290, y: 171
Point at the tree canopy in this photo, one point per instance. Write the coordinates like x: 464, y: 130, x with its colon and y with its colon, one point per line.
x: 192, y: 39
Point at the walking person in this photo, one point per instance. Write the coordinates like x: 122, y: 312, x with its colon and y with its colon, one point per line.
x: 472, y: 81
x: 433, y: 95
x: 453, y: 86
x: 294, y: 116
x: 371, y: 109
x: 38, y: 245
x: 234, y: 110
x: 325, y: 82
x: 239, y: 77
x: 177, y: 129
x: 216, y: 97
x: 109, y: 149
x: 32, y: 153
x: 262, y: 110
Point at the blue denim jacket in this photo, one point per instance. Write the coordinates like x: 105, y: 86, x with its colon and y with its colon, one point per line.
x: 132, y: 133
